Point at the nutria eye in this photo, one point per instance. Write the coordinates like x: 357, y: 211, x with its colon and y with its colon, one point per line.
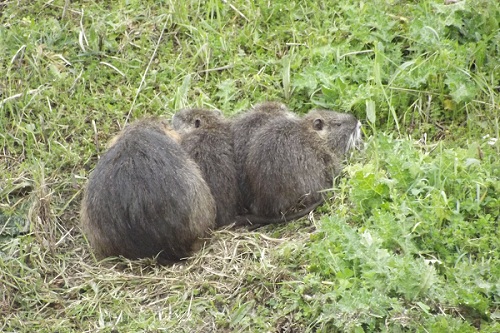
x: 338, y: 124
x: 197, y: 123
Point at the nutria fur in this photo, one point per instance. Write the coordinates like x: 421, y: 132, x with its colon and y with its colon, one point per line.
x: 206, y: 137
x: 244, y: 127
x: 146, y: 197
x: 290, y: 160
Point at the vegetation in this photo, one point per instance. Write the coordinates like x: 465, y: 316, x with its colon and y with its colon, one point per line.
x: 410, y: 238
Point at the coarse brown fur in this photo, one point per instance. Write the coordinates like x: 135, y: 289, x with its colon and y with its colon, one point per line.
x: 244, y: 127
x: 206, y: 137
x: 146, y: 197
x: 291, y: 160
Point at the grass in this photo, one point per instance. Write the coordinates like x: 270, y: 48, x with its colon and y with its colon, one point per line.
x: 408, y: 242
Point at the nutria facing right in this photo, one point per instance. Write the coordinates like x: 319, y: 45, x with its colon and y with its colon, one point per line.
x: 290, y: 160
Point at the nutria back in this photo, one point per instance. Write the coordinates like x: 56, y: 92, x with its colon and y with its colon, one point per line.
x: 206, y: 137
x: 146, y: 197
x: 244, y: 127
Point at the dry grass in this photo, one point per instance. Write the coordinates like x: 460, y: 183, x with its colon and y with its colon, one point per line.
x: 56, y: 276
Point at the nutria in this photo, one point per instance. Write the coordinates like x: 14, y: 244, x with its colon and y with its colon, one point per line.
x: 290, y: 160
x: 244, y: 127
x: 146, y: 197
x: 206, y: 137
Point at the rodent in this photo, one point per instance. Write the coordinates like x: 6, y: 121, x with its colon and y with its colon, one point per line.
x: 206, y: 137
x: 244, y: 127
x: 146, y: 197
x: 290, y: 160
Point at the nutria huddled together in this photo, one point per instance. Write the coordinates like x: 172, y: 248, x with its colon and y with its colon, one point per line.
x: 160, y: 188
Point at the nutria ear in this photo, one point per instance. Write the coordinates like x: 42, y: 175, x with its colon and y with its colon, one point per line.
x: 197, y: 122
x: 218, y: 112
x: 318, y: 124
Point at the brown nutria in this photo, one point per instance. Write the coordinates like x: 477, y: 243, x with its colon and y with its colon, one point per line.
x: 291, y: 160
x: 146, y: 197
x: 244, y: 127
x: 206, y: 137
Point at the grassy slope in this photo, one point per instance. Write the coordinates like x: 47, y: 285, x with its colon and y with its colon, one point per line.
x: 410, y: 241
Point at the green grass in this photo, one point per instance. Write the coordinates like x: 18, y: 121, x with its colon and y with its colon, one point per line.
x: 408, y: 242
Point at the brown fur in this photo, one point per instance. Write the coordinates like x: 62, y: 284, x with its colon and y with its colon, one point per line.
x: 206, y: 137
x: 244, y: 128
x: 146, y: 197
x: 291, y: 160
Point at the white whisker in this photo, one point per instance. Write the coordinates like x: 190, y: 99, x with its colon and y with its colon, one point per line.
x: 355, y: 138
